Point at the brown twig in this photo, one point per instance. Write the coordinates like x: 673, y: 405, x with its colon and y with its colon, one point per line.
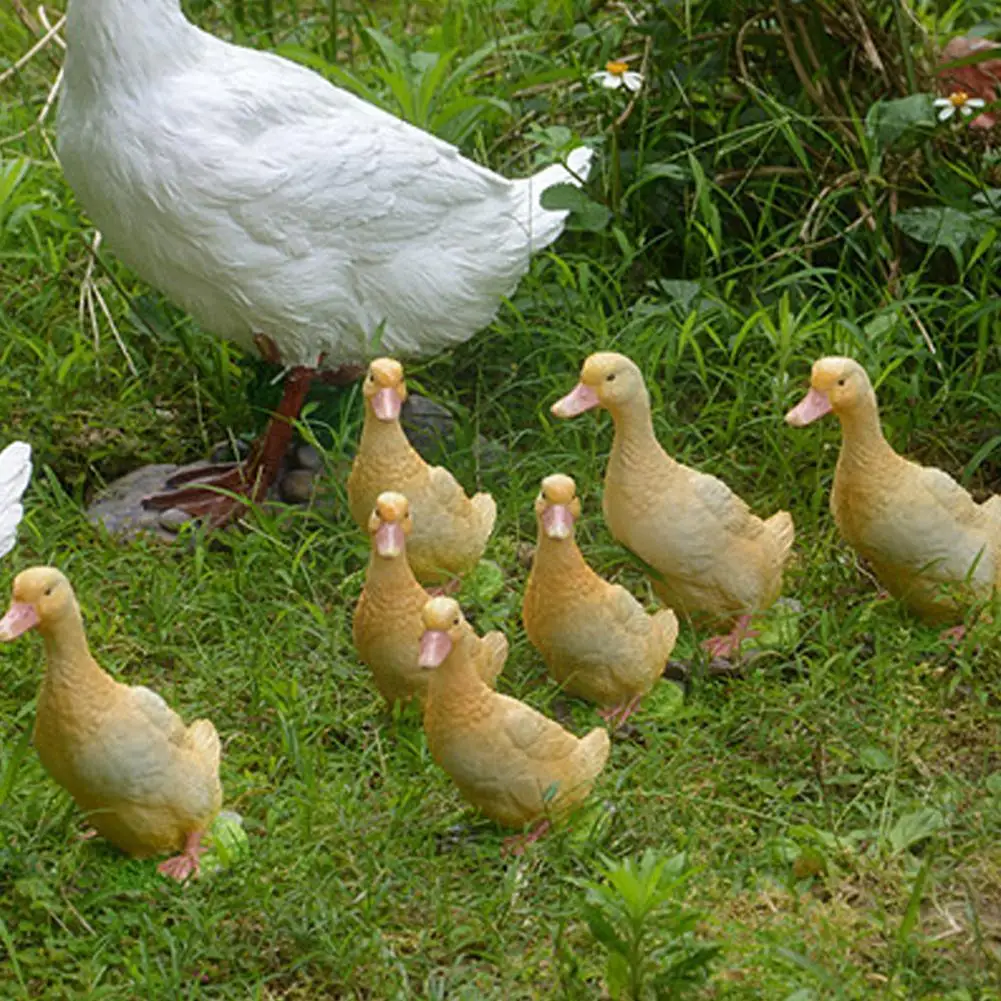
x: 753, y: 173
x: 805, y: 233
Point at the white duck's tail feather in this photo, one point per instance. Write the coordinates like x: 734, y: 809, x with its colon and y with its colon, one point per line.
x: 544, y: 225
x: 15, y: 472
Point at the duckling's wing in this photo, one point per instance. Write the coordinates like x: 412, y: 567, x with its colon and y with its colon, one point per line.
x: 729, y: 510
x: 627, y: 612
x: 158, y: 713
x: 445, y: 487
x: 945, y: 491
x: 535, y: 735
x: 15, y: 472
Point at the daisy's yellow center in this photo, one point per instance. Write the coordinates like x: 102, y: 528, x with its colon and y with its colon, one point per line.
x: 616, y: 68
x: 959, y: 98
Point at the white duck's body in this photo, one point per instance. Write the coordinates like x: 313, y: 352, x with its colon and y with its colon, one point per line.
x: 15, y: 472
x: 265, y: 200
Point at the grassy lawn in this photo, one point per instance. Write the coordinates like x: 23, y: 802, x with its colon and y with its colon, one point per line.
x: 838, y: 806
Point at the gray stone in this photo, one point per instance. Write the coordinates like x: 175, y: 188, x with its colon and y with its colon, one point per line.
x: 174, y: 519
x: 235, y: 450
x: 430, y: 427
x: 308, y: 457
x: 298, y: 486
x: 119, y: 506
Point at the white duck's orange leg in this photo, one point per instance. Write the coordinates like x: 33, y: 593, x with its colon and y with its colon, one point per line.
x: 729, y: 645
x: 220, y: 493
x: 180, y: 867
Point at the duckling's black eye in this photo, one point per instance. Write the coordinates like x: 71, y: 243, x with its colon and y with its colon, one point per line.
x: 841, y: 382
x: 48, y: 590
x: 455, y: 621
x: 610, y: 377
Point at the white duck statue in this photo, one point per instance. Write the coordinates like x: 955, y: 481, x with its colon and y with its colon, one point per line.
x: 15, y: 472
x: 281, y: 211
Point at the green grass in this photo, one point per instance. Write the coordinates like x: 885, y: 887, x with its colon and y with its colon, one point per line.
x: 840, y: 806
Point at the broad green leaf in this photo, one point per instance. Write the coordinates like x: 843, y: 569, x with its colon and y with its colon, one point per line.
x: 584, y: 213
x: 602, y: 930
x: 939, y: 226
x: 914, y: 827
x: 900, y: 122
x: 876, y: 759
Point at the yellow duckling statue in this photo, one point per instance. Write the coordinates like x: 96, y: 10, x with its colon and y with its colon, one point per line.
x: 146, y: 782
x: 595, y: 637
x: 714, y: 555
x: 514, y: 764
x: 929, y: 543
x: 450, y: 529
x: 387, y: 625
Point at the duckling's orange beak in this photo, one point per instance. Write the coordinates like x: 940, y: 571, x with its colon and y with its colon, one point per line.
x: 386, y: 404
x: 389, y: 539
x: 576, y: 402
x: 812, y: 407
x: 20, y: 617
x: 557, y: 522
x: 436, y: 645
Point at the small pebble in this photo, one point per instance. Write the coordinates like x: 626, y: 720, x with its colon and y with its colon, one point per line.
x: 307, y: 457
x: 720, y: 667
x: 174, y: 519
x: 229, y: 451
x: 677, y: 670
x: 297, y: 486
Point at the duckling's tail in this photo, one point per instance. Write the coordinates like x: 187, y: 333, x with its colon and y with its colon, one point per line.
x: 592, y: 753
x: 665, y: 633
x: 544, y: 225
x: 486, y: 514
x: 495, y: 648
x: 203, y: 740
x: 783, y: 532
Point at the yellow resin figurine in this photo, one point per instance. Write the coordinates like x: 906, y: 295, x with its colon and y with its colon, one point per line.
x: 450, y: 529
x: 713, y: 554
x: 595, y: 637
x: 929, y: 543
x: 514, y: 764
x: 387, y: 625
x: 146, y: 782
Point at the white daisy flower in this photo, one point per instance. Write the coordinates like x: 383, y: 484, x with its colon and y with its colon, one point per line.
x: 617, y: 74
x: 959, y: 101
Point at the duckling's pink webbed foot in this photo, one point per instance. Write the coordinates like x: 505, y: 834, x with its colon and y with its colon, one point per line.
x: 516, y: 844
x: 728, y: 646
x: 615, y: 716
x: 953, y: 636
x: 182, y: 866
